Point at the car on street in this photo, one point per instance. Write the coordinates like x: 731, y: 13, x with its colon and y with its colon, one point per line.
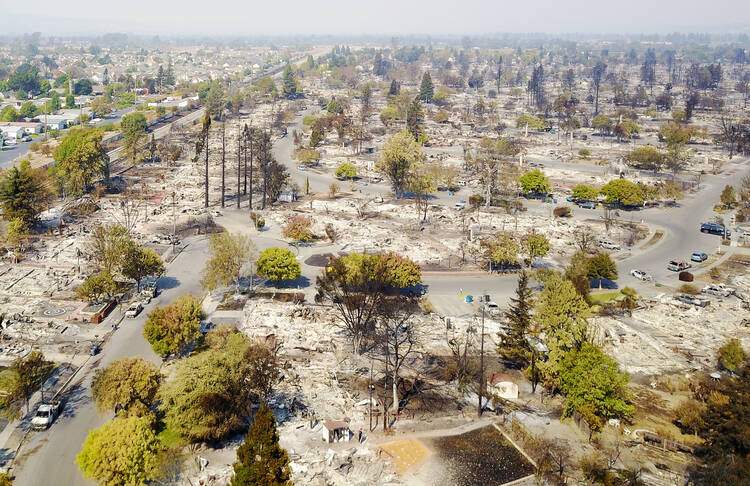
x: 608, y: 245
x: 587, y: 205
x: 492, y: 308
x: 715, y: 229
x: 698, y: 256
x: 95, y: 348
x: 687, y: 299
x: 45, y: 415
x: 134, y: 309
x: 678, y: 265
x: 640, y: 275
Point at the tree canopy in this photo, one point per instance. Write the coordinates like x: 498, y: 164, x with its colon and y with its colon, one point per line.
x: 624, y: 192
x: 260, y: 458
x: 80, y: 160
x: 172, y: 328
x: 129, y: 383
x: 534, y: 181
x: 122, y: 452
x: 278, y: 264
x: 228, y: 255
x: 398, y: 158
x: 23, y: 193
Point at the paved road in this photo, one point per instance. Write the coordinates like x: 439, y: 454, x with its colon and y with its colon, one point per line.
x: 53, y: 461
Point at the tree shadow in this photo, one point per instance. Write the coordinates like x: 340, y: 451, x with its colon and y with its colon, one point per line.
x: 166, y: 283
x: 298, y: 283
x: 72, y: 400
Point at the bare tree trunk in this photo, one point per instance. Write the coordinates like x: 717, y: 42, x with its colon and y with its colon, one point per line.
x: 239, y: 163
x: 206, y: 175
x: 223, y: 159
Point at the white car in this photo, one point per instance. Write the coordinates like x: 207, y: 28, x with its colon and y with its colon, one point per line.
x: 134, y: 309
x: 608, y: 245
x: 640, y: 275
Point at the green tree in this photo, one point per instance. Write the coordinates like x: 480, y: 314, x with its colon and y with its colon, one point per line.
x: 562, y: 315
x: 278, y: 264
x: 209, y: 394
x: 603, y: 124
x: 346, y: 170
x: 426, y: 89
x: 398, y: 158
x: 625, y: 129
x: 533, y: 122
x: 724, y: 455
x: 23, y: 193
x: 139, y: 262
x: 513, y: 344
x: 501, y: 249
x: 731, y: 355
x: 601, y: 265
x: 297, y: 229
x: 171, y: 329
x: 107, y: 246
x: 122, y: 452
x: 535, y: 245
x: 80, y: 159
x: 131, y: 384
x: 728, y: 196
x: 624, y: 192
x: 261, y: 461
x: 534, y: 181
x: 96, y: 287
x: 70, y: 101
x: 647, y: 157
x: 29, y: 110
x: 228, y: 255
x: 27, y: 375
x: 133, y: 128
x: 585, y: 193
x: 415, y: 113
x: 594, y: 386
x: 9, y: 114
x: 216, y: 99
x: 25, y: 77
x: 289, y: 83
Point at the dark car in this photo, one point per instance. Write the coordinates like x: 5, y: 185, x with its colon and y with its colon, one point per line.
x: 94, y: 349
x: 715, y: 229
x: 587, y: 205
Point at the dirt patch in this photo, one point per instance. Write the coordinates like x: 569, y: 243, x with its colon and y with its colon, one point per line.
x: 658, y: 235
x: 480, y: 457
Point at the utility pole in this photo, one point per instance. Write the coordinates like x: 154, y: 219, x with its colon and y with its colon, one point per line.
x: 239, y: 163
x: 223, y: 157
x: 371, y: 387
x: 174, y: 223
x: 481, y: 367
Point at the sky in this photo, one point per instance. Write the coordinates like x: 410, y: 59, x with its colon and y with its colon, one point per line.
x: 373, y: 17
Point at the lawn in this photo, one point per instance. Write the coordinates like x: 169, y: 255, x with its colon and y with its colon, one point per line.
x: 599, y: 299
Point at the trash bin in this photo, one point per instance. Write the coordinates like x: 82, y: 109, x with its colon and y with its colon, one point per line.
x: 469, y: 298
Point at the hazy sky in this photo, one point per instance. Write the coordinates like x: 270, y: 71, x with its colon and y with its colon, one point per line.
x: 471, y: 17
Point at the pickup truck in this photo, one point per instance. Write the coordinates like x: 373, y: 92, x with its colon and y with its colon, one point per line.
x: 678, y: 265
x: 45, y: 415
x: 608, y: 245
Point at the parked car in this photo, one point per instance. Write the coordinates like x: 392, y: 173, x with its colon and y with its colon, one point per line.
x: 715, y: 229
x: 606, y: 244
x: 587, y: 205
x: 640, y: 275
x: 95, y: 348
x: 718, y: 289
x: 492, y: 308
x: 698, y: 256
x: 26, y: 139
x: 133, y: 310
x: 678, y: 265
x: 687, y: 299
x: 45, y: 415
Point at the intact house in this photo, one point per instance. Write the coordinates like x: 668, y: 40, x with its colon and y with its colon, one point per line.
x: 13, y: 132
x: 29, y: 127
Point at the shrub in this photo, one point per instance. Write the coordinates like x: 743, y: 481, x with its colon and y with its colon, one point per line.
x: 562, y: 211
x: 297, y: 228
x: 584, y: 153
x: 258, y: 221
x: 333, y: 189
x: 34, y: 146
x: 476, y: 200
x: 346, y: 170
x: 689, y: 289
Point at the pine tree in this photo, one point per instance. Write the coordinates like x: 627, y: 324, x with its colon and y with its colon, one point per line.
x: 514, y: 345
x: 426, y: 90
x: 414, y: 113
x: 289, y: 82
x: 169, y: 77
x: 395, y: 88
x: 261, y: 461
